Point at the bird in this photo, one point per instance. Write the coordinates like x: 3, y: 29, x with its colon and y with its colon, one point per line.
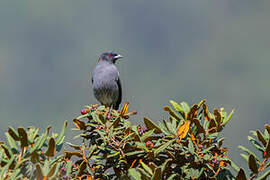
x: 106, y: 81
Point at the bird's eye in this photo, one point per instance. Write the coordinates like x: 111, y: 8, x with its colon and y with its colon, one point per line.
x: 110, y: 55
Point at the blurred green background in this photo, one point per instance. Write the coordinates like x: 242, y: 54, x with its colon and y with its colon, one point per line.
x: 180, y: 50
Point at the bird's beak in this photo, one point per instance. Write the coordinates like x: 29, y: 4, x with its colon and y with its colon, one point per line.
x: 118, y: 56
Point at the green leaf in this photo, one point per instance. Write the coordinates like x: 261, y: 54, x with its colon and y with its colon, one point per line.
x: 190, y: 147
x: 200, y: 103
x: 193, y: 173
x: 62, y: 134
x: 213, y: 135
x: 114, y: 154
x: 172, y: 128
x: 15, y: 174
x: 69, y: 168
x: 7, y: 151
x: 264, y: 175
x: 146, y: 168
x: 18, y: 164
x: 225, y: 121
x: 76, y: 147
x: 33, y: 135
x: 54, y: 170
x: 248, y: 151
x: 255, y: 143
x: 40, y: 142
x: 127, y: 137
x: 163, y: 129
x: 163, y: 147
x: 185, y: 107
x: 245, y: 157
x: 205, y: 124
x: 46, y: 168
x: 176, y: 106
x: 234, y: 166
x: 141, y: 146
x: 134, y: 153
x: 134, y: 174
x: 147, y: 134
x: 163, y: 166
x: 172, y: 177
x: 92, y: 150
x: 207, y: 149
x: 6, y: 167
x: 151, y: 125
x: 11, y: 142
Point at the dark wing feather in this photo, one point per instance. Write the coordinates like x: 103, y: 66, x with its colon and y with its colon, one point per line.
x: 118, y: 102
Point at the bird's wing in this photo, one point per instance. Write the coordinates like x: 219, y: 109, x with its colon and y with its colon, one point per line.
x: 118, y: 102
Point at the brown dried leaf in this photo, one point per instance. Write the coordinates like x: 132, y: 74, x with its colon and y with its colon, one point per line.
x: 116, y: 122
x: 69, y: 154
x: 23, y: 138
x: 124, y: 109
x: 151, y: 125
x: 171, y: 112
x: 193, y: 112
x: 39, y: 172
x: 183, y: 130
x: 34, y: 157
x: 241, y: 175
x: 13, y: 134
x: 200, y: 128
x: 261, y: 138
x: 267, y: 150
x: 79, y: 124
x: 217, y: 118
x: 212, y: 126
x: 252, y: 164
x: 205, y: 111
x: 51, y: 148
x: 267, y: 127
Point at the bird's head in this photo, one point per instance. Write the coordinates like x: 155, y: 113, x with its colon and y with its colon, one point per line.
x: 110, y: 57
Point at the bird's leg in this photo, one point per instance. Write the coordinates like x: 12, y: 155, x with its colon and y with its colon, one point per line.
x: 108, y: 112
x: 109, y: 115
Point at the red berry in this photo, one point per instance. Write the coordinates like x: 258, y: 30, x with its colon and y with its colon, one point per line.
x: 149, y: 144
x: 134, y: 112
x: 85, y: 111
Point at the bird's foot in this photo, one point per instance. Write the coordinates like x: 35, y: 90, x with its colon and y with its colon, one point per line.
x: 109, y: 117
x: 108, y: 113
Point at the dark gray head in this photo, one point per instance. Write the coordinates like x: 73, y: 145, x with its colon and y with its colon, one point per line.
x: 110, y: 57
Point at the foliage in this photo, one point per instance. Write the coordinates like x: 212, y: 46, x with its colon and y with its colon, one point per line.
x: 258, y: 165
x: 184, y: 146
x: 28, y: 154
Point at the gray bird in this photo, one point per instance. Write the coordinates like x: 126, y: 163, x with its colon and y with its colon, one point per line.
x: 106, y: 82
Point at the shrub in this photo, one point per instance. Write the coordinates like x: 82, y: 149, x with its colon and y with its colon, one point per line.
x: 186, y: 145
